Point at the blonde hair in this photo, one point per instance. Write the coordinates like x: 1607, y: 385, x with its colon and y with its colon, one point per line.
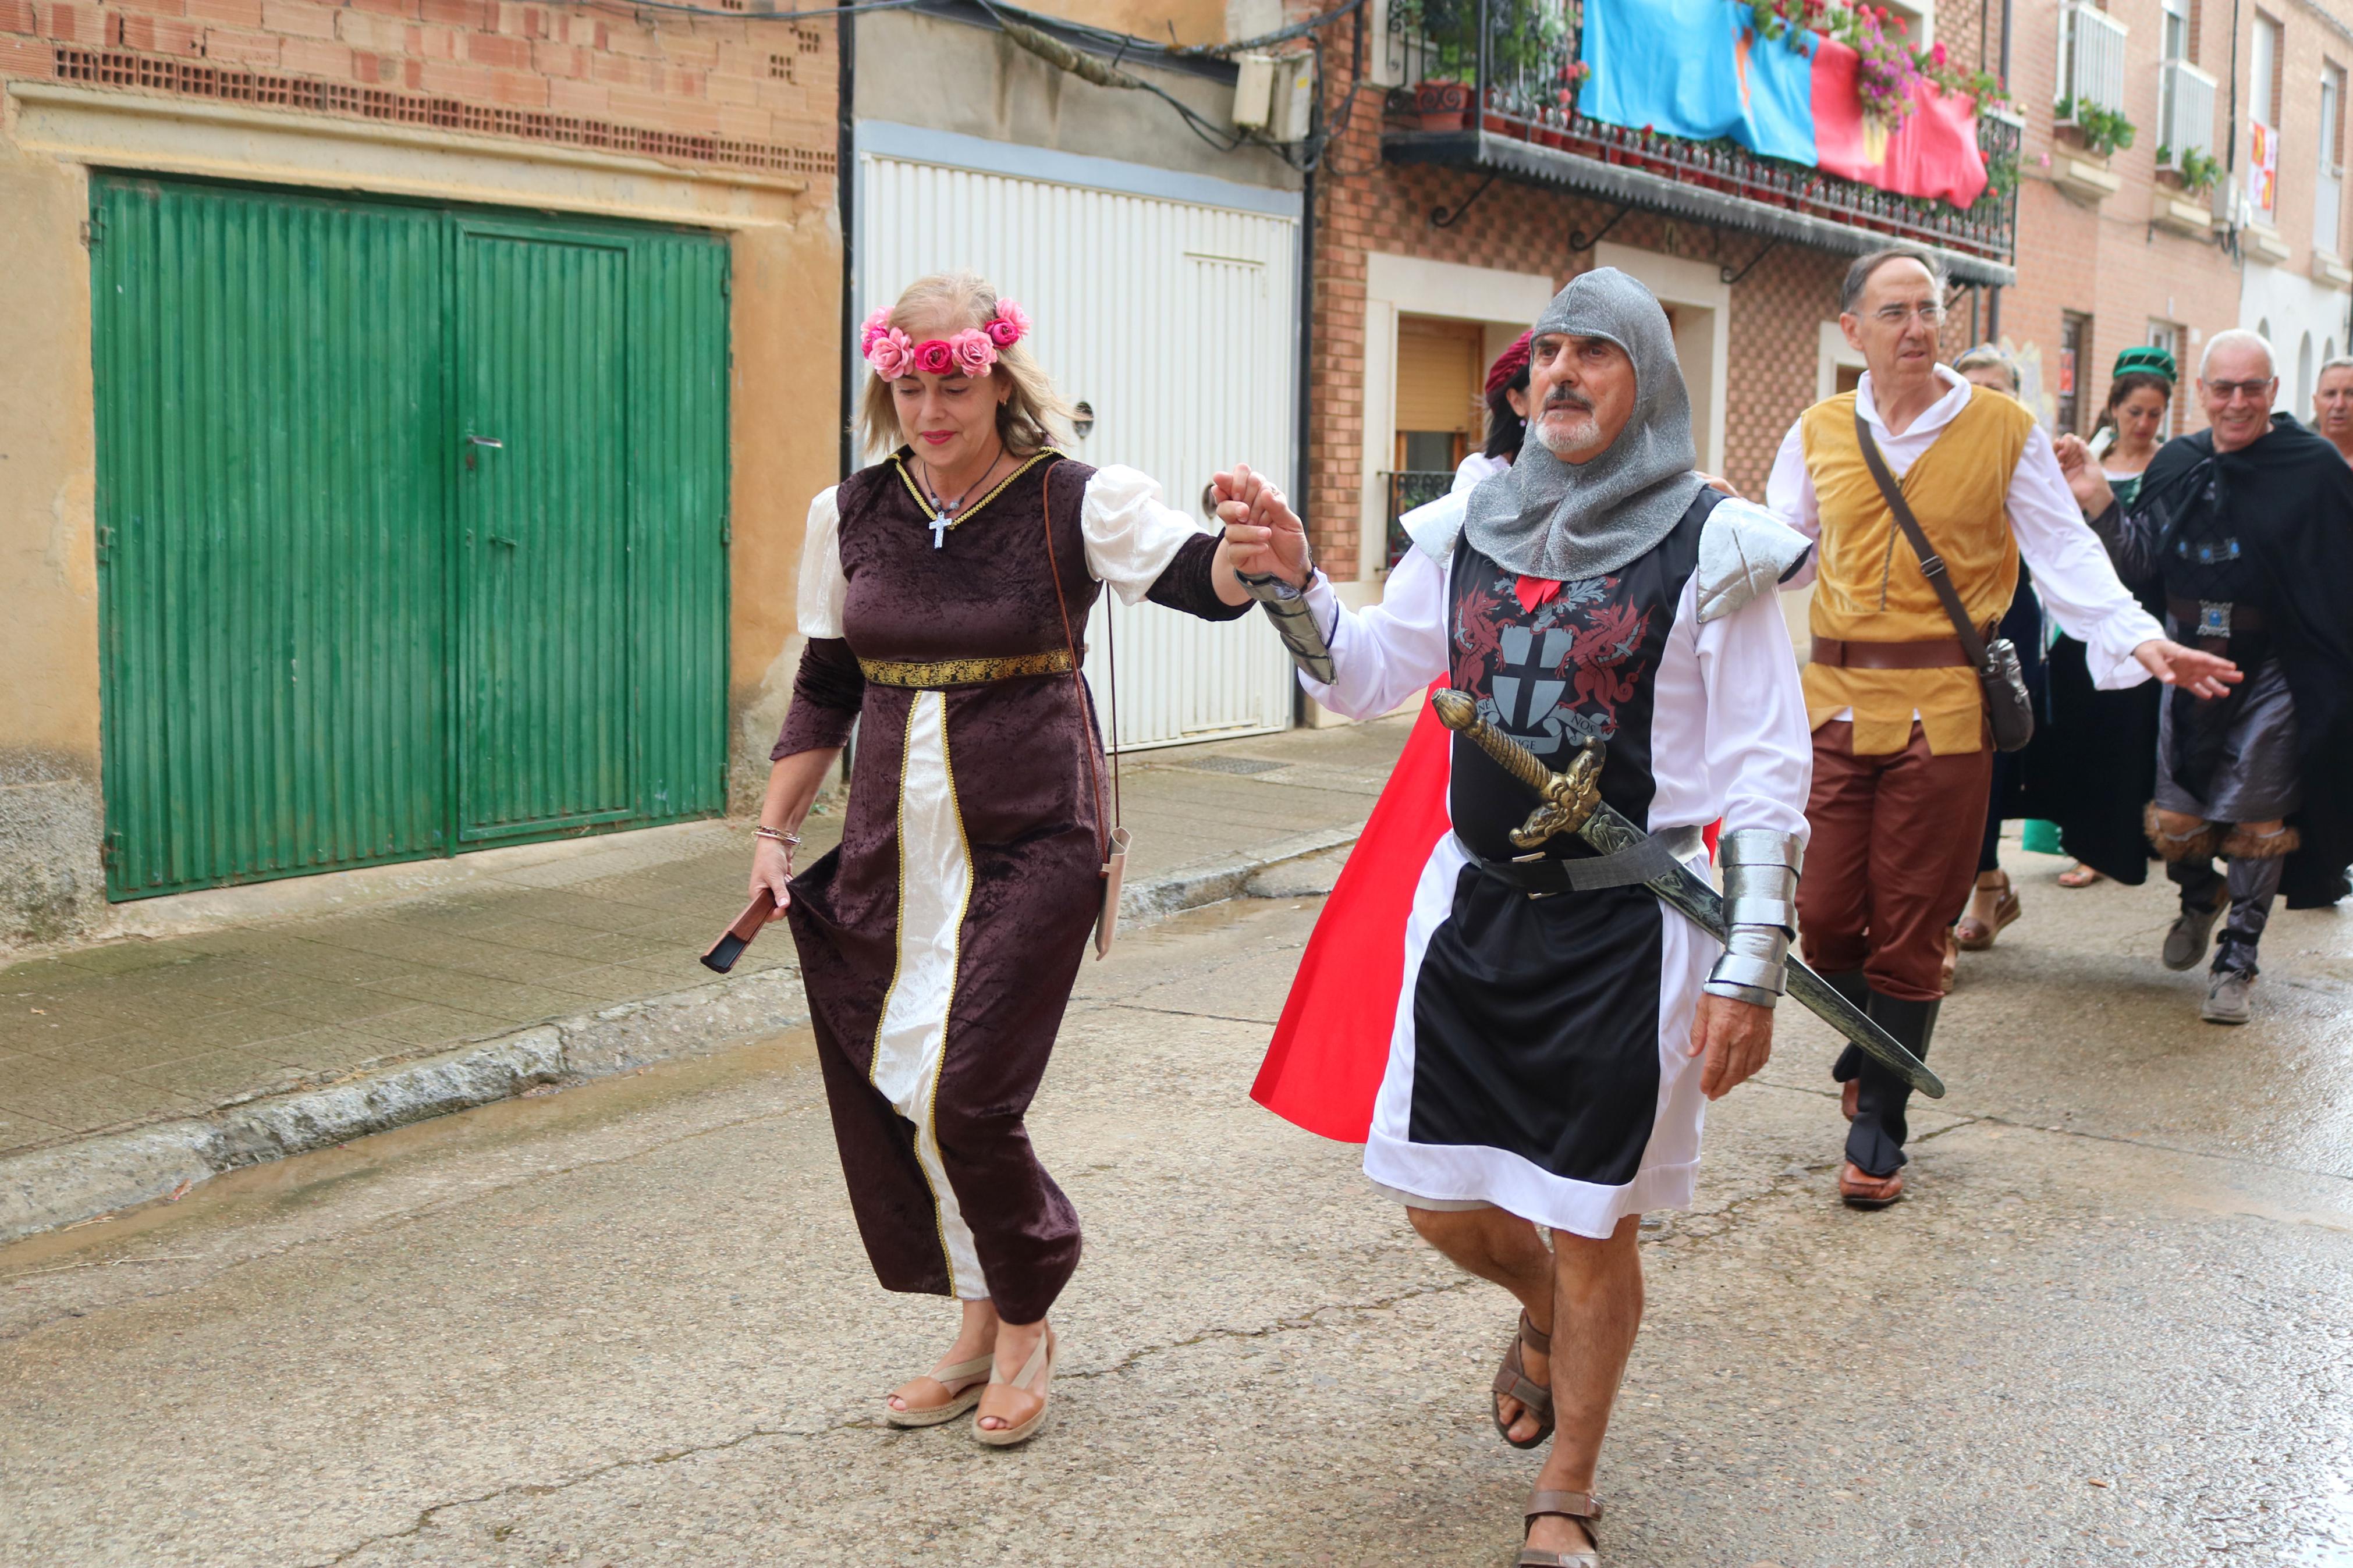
x: 1031, y: 413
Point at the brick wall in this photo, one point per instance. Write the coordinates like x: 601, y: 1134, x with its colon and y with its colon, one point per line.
x: 687, y: 89
x: 2106, y: 261
x: 1363, y: 206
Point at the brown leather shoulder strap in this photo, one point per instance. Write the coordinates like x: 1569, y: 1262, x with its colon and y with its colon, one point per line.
x: 1932, y: 565
x: 1078, y: 678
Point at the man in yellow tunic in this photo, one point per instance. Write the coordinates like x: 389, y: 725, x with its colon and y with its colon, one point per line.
x: 1902, y: 761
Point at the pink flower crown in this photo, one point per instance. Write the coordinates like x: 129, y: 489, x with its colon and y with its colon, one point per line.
x: 971, y: 351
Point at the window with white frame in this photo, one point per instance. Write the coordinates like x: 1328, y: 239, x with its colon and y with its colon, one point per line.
x: 2264, y: 119
x: 2328, y: 131
x: 1919, y: 19
x: 2184, y: 95
x: 2091, y: 60
x: 2165, y: 335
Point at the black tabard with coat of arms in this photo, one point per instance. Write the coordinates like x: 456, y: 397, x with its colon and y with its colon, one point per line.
x: 1575, y: 668
x: 1537, y: 1020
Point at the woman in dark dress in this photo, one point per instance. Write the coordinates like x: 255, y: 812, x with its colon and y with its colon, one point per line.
x: 941, y: 593
x: 2104, y: 743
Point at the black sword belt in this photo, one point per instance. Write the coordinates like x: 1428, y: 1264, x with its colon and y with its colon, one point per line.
x: 1571, y: 803
x: 1635, y: 866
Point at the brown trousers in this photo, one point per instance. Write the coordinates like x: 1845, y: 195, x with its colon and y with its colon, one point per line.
x: 1895, y: 848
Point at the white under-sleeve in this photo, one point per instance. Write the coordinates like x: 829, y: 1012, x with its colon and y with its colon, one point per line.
x: 1132, y: 534
x: 2077, y: 581
x: 1388, y: 652
x: 1789, y: 496
x: 1728, y: 733
x: 824, y: 587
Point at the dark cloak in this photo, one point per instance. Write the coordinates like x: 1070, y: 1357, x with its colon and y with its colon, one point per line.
x: 2288, y: 497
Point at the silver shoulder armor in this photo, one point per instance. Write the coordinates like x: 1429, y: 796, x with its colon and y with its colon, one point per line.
x: 1434, y: 526
x: 1744, y: 551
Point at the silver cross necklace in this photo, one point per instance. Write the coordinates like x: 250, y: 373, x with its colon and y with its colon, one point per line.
x: 944, y: 512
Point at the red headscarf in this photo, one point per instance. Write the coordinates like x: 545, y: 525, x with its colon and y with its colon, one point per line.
x: 1508, y: 363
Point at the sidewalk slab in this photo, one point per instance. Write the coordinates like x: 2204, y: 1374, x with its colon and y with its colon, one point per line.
x: 132, y: 1068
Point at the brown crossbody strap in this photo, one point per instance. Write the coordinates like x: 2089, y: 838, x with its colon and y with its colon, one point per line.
x: 1932, y: 565
x: 1078, y: 681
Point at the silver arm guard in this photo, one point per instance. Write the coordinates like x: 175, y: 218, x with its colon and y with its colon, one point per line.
x: 1760, y: 913
x: 1287, y: 608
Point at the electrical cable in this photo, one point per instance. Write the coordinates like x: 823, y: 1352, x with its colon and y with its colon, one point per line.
x: 1027, y: 32
x: 1296, y: 30
x: 679, y: 8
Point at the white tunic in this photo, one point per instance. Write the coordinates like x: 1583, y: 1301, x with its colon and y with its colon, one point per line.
x: 1728, y: 742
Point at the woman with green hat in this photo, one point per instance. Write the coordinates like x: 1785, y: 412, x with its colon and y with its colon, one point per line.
x: 2096, y: 733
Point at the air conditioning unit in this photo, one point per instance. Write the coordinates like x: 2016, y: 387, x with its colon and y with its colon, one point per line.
x: 2232, y: 209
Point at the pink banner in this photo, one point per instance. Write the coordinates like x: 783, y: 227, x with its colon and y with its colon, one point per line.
x: 1934, y: 155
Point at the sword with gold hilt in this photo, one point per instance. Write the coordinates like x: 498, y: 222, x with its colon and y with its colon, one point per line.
x: 1570, y: 802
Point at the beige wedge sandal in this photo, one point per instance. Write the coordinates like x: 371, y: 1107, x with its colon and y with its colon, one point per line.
x: 963, y: 1382
x: 1034, y: 1375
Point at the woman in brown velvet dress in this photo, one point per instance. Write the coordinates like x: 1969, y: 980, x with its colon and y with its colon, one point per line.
x: 940, y: 942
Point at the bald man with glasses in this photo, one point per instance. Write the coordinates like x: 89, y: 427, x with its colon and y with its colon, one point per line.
x: 1903, y: 761
x: 2247, y: 530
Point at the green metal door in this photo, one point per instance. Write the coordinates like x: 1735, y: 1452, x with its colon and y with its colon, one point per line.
x: 274, y: 582
x: 335, y: 630
x: 543, y: 698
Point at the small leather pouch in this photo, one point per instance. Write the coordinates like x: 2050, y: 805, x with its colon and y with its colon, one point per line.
x: 1115, y: 869
x: 737, y: 937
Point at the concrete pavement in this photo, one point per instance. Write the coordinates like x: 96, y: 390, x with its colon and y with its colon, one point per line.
x: 291, y: 1015
x: 630, y: 1325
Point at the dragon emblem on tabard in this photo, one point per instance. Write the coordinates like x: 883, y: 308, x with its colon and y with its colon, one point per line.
x: 1551, y: 678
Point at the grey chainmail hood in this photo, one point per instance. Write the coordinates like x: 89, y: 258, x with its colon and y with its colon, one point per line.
x: 1545, y: 518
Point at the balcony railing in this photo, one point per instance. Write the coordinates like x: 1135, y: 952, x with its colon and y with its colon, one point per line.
x: 2091, y: 56
x: 1520, y: 60
x: 2185, y: 112
x: 1407, y: 490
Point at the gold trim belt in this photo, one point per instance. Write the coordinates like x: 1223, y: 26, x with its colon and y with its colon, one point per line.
x: 965, y: 671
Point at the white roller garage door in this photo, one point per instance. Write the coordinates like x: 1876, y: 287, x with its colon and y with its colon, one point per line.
x: 1173, y: 318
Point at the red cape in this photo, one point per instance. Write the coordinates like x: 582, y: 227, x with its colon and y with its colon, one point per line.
x: 1323, y: 1068
x: 1329, y: 1051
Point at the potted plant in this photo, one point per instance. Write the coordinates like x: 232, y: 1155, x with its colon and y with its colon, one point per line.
x: 2101, y: 131
x: 2199, y: 171
x: 1441, y: 104
x: 1525, y: 43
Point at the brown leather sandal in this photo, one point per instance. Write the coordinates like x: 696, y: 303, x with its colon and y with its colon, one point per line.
x: 960, y: 1384
x: 1512, y: 1383
x: 1582, y: 1507
x: 1973, y: 934
x: 1032, y: 1382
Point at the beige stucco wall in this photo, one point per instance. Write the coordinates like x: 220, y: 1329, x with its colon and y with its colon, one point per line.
x: 787, y: 407
x: 1193, y: 21
x: 986, y: 85
x: 50, y: 880
x: 785, y: 293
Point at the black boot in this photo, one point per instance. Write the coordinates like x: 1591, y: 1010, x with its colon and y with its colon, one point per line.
x: 1874, y: 1143
x: 1850, y: 984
